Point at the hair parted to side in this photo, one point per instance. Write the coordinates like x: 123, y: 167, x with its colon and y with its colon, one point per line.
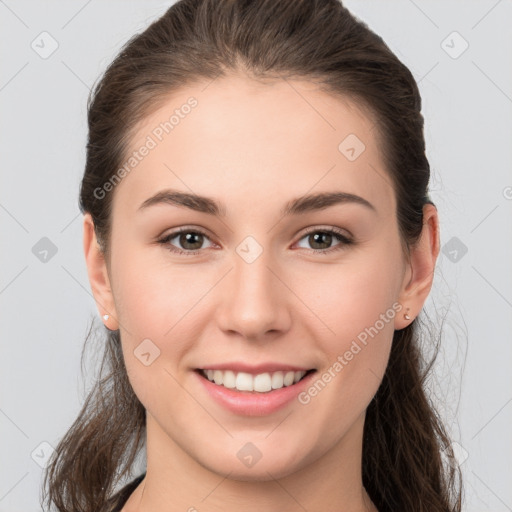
x: 316, y: 40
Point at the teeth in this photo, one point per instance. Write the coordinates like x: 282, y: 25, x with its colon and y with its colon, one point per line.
x: 244, y: 382
x: 288, y: 378
x: 261, y: 383
x: 229, y: 379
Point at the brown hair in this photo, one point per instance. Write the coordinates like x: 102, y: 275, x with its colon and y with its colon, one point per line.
x: 316, y: 40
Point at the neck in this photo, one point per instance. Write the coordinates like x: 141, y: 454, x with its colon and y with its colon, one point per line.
x: 175, y: 481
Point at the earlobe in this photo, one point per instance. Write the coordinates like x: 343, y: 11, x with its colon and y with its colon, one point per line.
x: 98, y: 275
x: 418, y: 279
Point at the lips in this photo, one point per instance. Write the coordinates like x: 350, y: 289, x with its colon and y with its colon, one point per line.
x: 262, y: 378
x: 260, y: 383
x: 255, y: 369
x: 253, y: 403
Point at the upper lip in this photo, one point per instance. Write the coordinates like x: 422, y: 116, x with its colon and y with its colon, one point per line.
x: 255, y: 369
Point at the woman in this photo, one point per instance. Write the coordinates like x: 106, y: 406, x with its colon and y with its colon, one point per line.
x: 260, y: 242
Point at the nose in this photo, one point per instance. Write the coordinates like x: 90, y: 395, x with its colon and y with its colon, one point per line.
x: 254, y: 300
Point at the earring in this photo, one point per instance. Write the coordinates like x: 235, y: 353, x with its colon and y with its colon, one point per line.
x: 406, y: 316
x: 106, y: 317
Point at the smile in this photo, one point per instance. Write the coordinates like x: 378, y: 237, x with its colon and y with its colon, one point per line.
x: 259, y: 383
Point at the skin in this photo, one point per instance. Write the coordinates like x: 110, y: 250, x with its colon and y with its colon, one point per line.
x: 254, y: 146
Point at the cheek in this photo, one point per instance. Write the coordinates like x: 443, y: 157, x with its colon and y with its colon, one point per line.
x: 365, y: 304
x: 356, y: 355
x: 154, y: 297
x: 353, y: 297
x: 354, y: 308
x: 159, y: 308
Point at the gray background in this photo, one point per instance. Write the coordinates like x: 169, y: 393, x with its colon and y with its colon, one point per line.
x: 46, y: 305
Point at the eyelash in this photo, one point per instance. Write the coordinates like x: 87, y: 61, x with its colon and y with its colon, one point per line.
x: 345, y: 241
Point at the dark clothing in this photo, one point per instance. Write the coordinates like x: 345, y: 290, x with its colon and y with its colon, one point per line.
x: 116, y: 502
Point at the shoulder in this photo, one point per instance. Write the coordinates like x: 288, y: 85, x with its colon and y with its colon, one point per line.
x: 116, y: 502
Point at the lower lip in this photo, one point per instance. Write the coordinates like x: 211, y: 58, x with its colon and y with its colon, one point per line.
x: 250, y: 403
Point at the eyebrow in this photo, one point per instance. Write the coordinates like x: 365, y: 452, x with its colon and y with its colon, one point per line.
x: 299, y: 205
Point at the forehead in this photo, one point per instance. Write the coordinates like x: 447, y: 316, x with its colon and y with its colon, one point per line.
x: 245, y: 140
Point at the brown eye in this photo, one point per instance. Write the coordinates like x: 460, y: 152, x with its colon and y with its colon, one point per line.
x: 188, y: 241
x: 320, y: 240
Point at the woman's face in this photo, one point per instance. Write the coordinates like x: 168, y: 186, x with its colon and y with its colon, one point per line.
x: 260, y: 284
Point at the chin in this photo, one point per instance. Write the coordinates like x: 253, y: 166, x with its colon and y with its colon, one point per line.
x: 263, y: 470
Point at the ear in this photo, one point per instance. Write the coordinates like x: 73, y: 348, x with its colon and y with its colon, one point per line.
x: 98, y: 275
x: 419, y: 276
